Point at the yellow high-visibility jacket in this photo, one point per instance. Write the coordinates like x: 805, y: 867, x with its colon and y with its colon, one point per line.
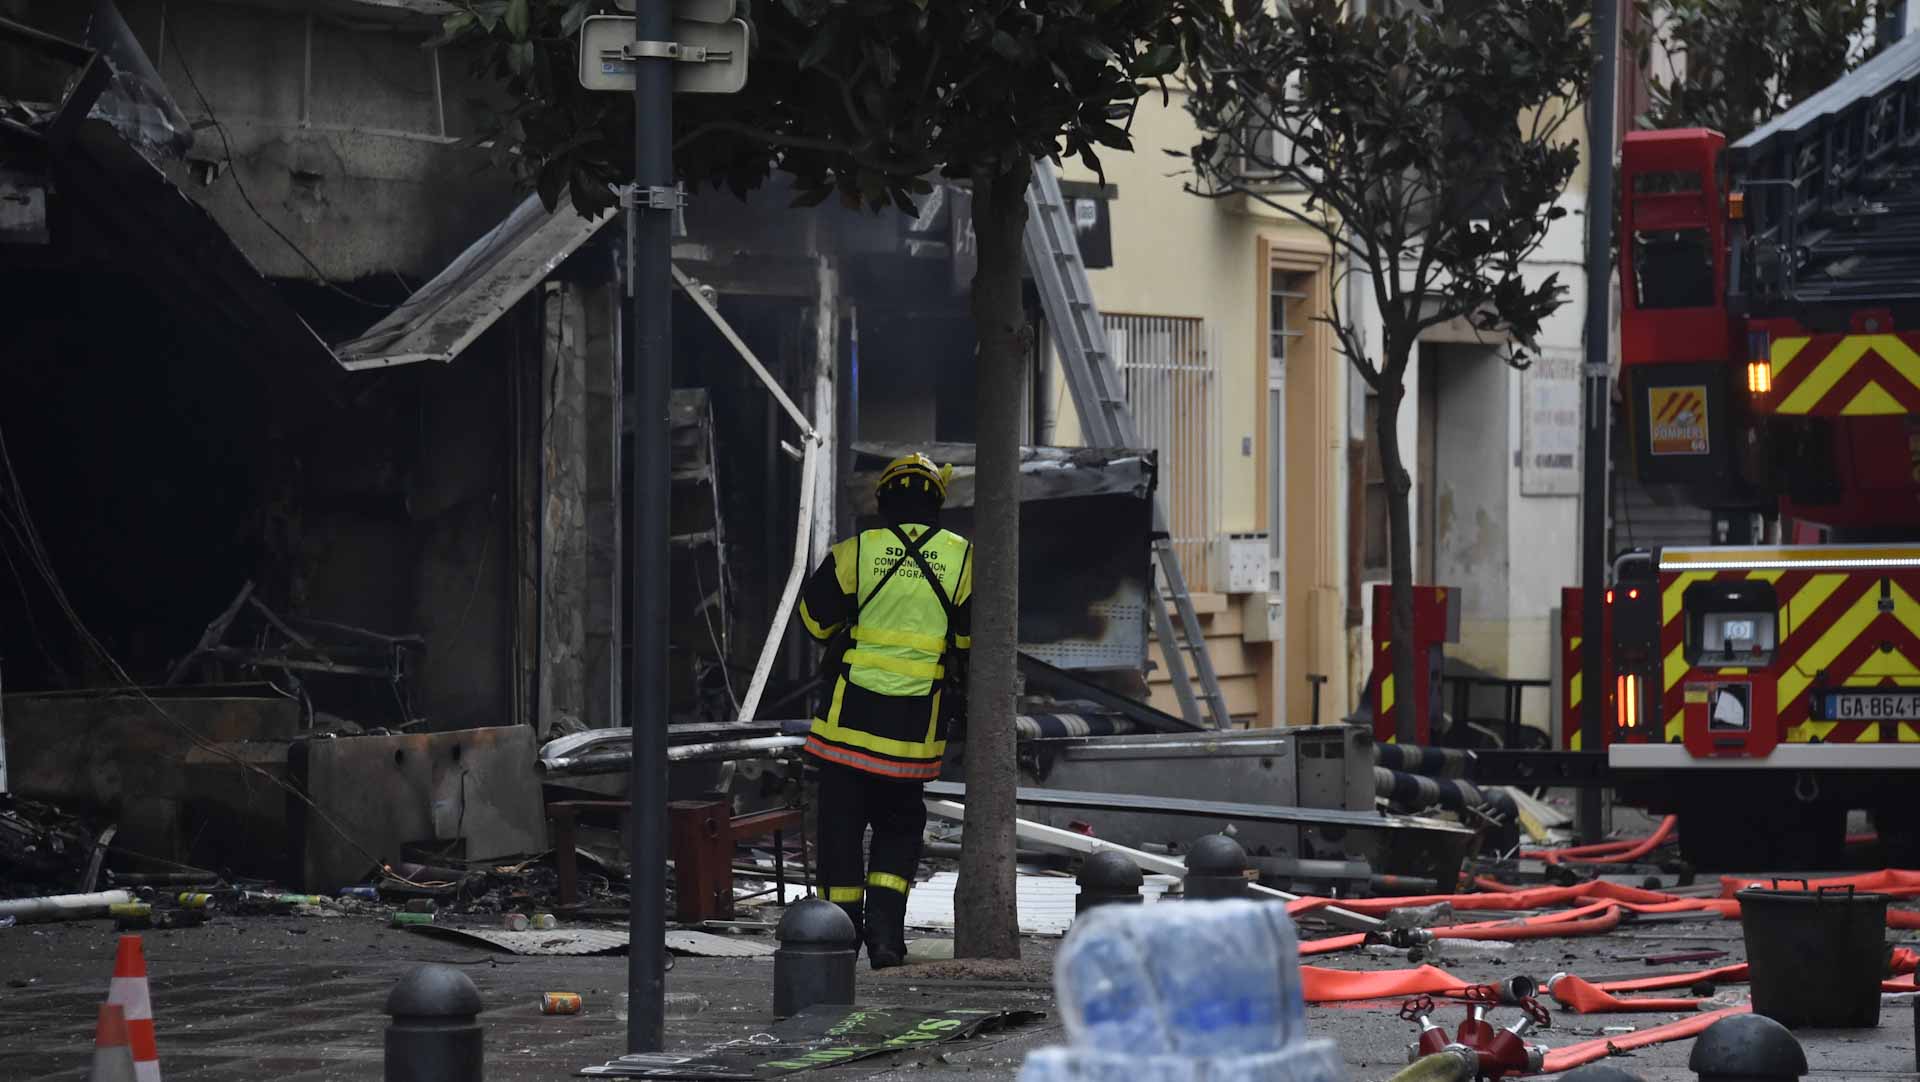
x: 885, y: 714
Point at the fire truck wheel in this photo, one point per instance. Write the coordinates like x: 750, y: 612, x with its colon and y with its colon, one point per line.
x: 1899, y: 830
x: 1750, y: 829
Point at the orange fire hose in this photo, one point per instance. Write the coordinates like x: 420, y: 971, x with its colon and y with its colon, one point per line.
x: 1617, y: 852
x: 1527, y: 898
x: 1330, y: 945
x: 1546, y: 926
x: 1734, y: 974
x: 1320, y: 985
x: 1579, y: 995
x: 1891, y: 881
x: 1575, y: 1055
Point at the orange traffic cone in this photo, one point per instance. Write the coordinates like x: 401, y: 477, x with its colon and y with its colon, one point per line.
x: 112, y: 1059
x: 129, y: 993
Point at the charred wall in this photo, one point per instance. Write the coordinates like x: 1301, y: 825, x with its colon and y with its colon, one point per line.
x: 164, y: 468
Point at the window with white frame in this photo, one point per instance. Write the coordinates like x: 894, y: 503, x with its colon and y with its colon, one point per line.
x: 1286, y: 291
x: 1172, y: 387
x: 1268, y: 148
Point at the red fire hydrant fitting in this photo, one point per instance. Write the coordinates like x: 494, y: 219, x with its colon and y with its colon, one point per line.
x: 1500, y: 1052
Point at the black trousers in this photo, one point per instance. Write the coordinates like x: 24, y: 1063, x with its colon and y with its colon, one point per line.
x: 849, y: 802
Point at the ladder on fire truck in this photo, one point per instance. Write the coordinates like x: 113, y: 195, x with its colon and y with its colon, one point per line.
x: 1099, y: 396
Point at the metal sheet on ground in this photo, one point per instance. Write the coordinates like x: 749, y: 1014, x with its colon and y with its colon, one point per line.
x: 589, y: 941
x: 820, y: 1036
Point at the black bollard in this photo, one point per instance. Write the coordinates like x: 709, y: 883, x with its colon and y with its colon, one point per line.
x: 1216, y: 868
x: 1107, y: 878
x: 1747, y: 1048
x: 814, y: 963
x: 434, y: 1035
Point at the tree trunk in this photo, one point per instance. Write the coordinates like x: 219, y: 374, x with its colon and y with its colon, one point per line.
x: 987, y: 924
x: 1393, y: 389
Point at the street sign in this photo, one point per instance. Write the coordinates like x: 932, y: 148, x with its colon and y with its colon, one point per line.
x: 708, y: 58
x: 693, y: 11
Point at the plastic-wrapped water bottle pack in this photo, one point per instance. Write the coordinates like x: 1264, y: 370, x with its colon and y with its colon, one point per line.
x: 1188, y: 992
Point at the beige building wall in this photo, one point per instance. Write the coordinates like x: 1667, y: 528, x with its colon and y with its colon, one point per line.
x: 1180, y: 255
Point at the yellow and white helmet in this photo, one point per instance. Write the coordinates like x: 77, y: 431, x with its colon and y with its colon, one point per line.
x: 915, y: 473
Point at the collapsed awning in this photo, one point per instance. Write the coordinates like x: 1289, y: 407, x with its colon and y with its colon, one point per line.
x: 150, y: 224
x: 447, y: 314
x: 1046, y: 473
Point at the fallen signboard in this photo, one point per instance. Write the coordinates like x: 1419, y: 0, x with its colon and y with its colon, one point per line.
x: 820, y: 1036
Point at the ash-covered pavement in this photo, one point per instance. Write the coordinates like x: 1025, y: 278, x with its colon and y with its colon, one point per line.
x: 299, y: 999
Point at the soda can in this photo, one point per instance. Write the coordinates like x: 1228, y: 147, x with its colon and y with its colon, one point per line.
x: 420, y: 905
x: 515, y: 922
x: 365, y: 894
x: 192, y: 900
x: 544, y: 922
x: 560, y: 1003
x: 401, y: 920
x: 131, y: 916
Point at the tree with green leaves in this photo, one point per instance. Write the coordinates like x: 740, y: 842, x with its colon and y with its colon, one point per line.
x: 1426, y: 145
x: 1732, y: 65
x: 866, y: 99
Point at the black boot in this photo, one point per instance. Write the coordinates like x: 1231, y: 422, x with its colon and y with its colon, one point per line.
x: 886, y: 931
x: 856, y: 912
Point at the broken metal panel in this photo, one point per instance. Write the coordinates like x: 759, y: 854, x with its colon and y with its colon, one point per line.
x: 472, y: 794
x: 137, y: 102
x: 446, y: 315
x: 1319, y: 767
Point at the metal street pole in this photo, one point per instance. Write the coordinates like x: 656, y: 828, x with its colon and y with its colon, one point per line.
x: 650, y: 283
x: 1593, y: 489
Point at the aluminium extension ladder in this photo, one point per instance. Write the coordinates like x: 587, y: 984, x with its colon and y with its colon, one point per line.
x: 1053, y: 255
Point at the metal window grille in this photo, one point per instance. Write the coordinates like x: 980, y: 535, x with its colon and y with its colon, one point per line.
x: 1172, y: 388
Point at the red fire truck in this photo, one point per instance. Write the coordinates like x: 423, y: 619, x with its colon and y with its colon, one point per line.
x: 1770, y: 344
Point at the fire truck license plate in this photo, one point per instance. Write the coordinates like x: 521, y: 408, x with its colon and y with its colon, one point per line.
x: 1874, y: 706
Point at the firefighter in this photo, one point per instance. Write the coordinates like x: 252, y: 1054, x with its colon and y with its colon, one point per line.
x: 892, y: 604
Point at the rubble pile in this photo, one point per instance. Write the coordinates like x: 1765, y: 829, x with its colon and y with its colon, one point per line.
x: 42, y: 849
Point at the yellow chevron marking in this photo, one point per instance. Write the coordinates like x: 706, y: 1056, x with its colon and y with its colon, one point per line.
x: 1872, y: 401
x: 1676, y: 666
x: 1784, y: 352
x: 1878, y: 665
x: 1807, y: 731
x: 1573, y: 742
x: 1675, y: 591
x: 1826, y: 372
x: 1676, y: 728
x: 1899, y: 356
x: 1801, y: 606
x: 1907, y: 735
x: 1821, y: 653
x: 1386, y: 693
x: 1573, y: 691
x: 1772, y: 575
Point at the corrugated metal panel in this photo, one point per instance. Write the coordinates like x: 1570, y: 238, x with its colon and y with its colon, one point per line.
x: 445, y: 316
